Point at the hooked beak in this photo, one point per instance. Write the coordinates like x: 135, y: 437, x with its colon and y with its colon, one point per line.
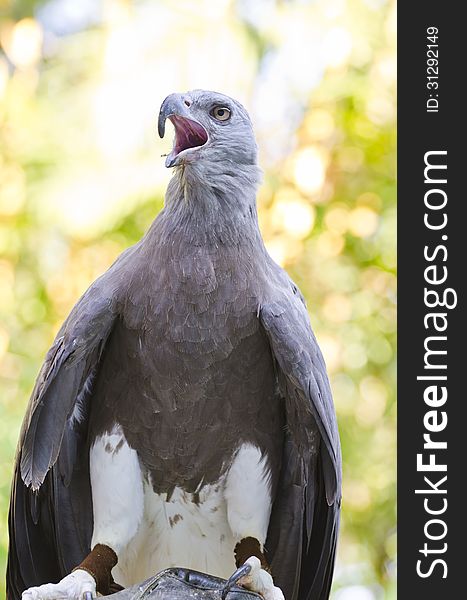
x: 189, y: 133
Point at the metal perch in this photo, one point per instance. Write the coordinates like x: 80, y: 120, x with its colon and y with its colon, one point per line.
x: 184, y: 584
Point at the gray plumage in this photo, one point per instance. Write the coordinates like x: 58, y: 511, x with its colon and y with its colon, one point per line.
x: 194, y: 341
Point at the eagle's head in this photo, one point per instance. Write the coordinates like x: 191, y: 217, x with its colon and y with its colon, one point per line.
x: 209, y: 128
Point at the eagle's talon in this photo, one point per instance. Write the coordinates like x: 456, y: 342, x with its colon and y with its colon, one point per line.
x: 78, y: 584
x: 258, y: 580
x: 242, y: 571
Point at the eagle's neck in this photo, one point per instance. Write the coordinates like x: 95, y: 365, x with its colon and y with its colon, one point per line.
x: 212, y: 204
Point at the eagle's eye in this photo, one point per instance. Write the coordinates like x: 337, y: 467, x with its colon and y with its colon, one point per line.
x: 221, y: 113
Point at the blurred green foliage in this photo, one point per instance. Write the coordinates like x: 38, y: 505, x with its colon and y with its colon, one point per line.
x: 81, y: 179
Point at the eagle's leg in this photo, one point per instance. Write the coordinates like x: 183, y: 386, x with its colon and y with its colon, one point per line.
x: 118, y: 502
x: 117, y: 497
x: 248, y: 496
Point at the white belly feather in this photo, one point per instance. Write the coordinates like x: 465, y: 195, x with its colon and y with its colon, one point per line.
x: 179, y: 533
x: 199, y: 532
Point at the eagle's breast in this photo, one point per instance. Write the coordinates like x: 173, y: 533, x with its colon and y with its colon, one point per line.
x: 188, y: 372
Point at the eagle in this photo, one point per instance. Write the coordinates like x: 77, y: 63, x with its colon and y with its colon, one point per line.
x: 183, y: 415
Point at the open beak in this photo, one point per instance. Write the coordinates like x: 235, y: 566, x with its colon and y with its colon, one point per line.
x: 189, y: 133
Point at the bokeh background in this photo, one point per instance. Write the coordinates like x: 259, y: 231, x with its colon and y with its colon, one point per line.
x: 81, y: 178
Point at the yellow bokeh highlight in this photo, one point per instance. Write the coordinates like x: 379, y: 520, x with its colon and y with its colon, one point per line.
x: 319, y: 125
x: 330, y: 244
x: 4, y: 341
x: 337, y: 308
x: 4, y: 76
x: 372, y: 402
x: 292, y: 214
x: 309, y: 170
x: 337, y: 219
x: 357, y: 495
x: 363, y: 221
x: 344, y: 391
x: 7, y: 279
x: 332, y: 352
x: 337, y: 46
x: 23, y: 42
x: 350, y: 158
x: 355, y: 356
x: 283, y: 249
x: 12, y: 189
x: 371, y: 200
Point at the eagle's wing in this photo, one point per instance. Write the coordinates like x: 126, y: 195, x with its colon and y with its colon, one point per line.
x: 50, y: 519
x: 304, y: 523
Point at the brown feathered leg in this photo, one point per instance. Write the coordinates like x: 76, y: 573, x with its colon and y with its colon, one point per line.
x: 247, y: 547
x: 99, y: 564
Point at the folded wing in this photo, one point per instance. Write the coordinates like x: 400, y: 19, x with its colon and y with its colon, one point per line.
x: 304, y: 524
x: 50, y: 519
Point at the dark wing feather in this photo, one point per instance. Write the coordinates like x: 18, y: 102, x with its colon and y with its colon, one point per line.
x: 50, y: 519
x: 304, y: 523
